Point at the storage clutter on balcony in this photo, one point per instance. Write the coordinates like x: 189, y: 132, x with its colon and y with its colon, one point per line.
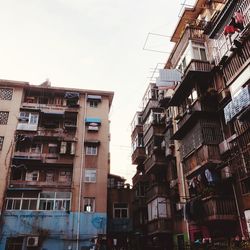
x: 72, y: 99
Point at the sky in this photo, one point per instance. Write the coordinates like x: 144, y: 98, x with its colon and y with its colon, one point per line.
x: 91, y: 44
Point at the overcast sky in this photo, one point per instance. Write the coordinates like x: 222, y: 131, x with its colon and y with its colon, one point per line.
x: 90, y: 44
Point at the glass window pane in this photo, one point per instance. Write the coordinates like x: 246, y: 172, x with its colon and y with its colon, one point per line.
x: 25, y: 205
x: 16, y: 204
x: 33, y: 204
x: 203, y: 54
x: 47, y: 195
x: 124, y: 213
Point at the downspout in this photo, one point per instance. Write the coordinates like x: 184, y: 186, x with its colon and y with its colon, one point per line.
x: 81, y: 175
x: 185, y: 196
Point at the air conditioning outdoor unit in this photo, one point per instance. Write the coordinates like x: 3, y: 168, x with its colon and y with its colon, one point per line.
x: 32, y: 241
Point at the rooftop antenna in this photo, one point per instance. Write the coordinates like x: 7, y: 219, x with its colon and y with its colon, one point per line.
x: 146, y: 41
x: 184, y: 5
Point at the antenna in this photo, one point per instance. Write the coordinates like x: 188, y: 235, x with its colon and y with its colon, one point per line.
x: 153, y: 50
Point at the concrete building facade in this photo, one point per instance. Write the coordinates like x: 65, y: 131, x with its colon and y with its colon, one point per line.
x: 199, y: 169
x: 54, y: 158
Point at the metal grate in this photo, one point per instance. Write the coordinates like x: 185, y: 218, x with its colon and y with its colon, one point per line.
x: 1, y: 142
x: 4, y: 117
x: 6, y: 93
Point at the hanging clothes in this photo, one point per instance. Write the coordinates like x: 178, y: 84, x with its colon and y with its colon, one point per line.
x: 239, y: 19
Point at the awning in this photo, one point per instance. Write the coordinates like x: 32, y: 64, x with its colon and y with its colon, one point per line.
x: 93, y: 120
x: 72, y: 95
x: 53, y: 112
x: 94, y: 97
x: 92, y: 142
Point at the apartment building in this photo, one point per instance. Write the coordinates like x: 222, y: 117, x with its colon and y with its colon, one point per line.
x: 54, y: 156
x: 202, y: 133
x: 119, y: 226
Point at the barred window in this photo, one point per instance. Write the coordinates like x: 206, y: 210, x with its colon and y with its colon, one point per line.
x: 6, y: 93
x: 1, y: 142
x: 4, y: 117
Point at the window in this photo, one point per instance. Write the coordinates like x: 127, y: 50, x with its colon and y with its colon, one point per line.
x: 49, y: 177
x: 67, y: 148
x: 89, y: 204
x: 90, y: 175
x: 4, y: 117
x: 6, y: 93
x: 29, y: 118
x: 32, y: 176
x: 199, y: 53
x: 21, y: 201
x: 93, y: 103
x: 159, y: 208
x: 55, y: 201
x: 120, y: 210
x: 91, y: 150
x: 65, y: 176
x: 53, y: 148
x: 36, y: 148
x: 1, y: 142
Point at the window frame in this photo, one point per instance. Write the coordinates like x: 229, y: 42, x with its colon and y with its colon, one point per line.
x: 89, y: 201
x: 91, y: 174
x: 91, y: 150
x: 120, y: 210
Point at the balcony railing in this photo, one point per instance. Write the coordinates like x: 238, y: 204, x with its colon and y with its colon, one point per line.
x: 157, y: 190
x: 219, y: 208
x: 197, y: 66
x: 152, y: 103
x: 206, y: 154
x: 161, y: 225
x: 23, y: 184
x: 139, y: 155
x: 223, y: 44
x: 190, y: 33
x: 44, y: 158
x: 155, y: 161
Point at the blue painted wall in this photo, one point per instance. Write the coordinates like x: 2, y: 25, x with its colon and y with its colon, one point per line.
x: 57, y: 229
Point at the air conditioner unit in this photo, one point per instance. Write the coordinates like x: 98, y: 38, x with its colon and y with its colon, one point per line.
x: 32, y: 241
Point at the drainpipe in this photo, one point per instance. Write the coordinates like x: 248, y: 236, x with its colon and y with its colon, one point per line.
x: 184, y: 195
x: 81, y: 175
x: 238, y: 211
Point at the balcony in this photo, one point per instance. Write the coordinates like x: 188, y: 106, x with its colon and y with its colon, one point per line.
x: 119, y: 225
x: 204, y: 155
x: 157, y: 190
x: 197, y: 66
x: 151, y: 104
x: 139, y: 155
x: 44, y: 158
x: 139, y: 177
x: 238, y: 104
x: 155, y: 162
x: 40, y: 184
x: 161, y: 225
x: 224, y: 44
x: 219, y: 208
x: 193, y: 34
x: 198, y: 69
x: 54, y: 133
x: 152, y: 130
